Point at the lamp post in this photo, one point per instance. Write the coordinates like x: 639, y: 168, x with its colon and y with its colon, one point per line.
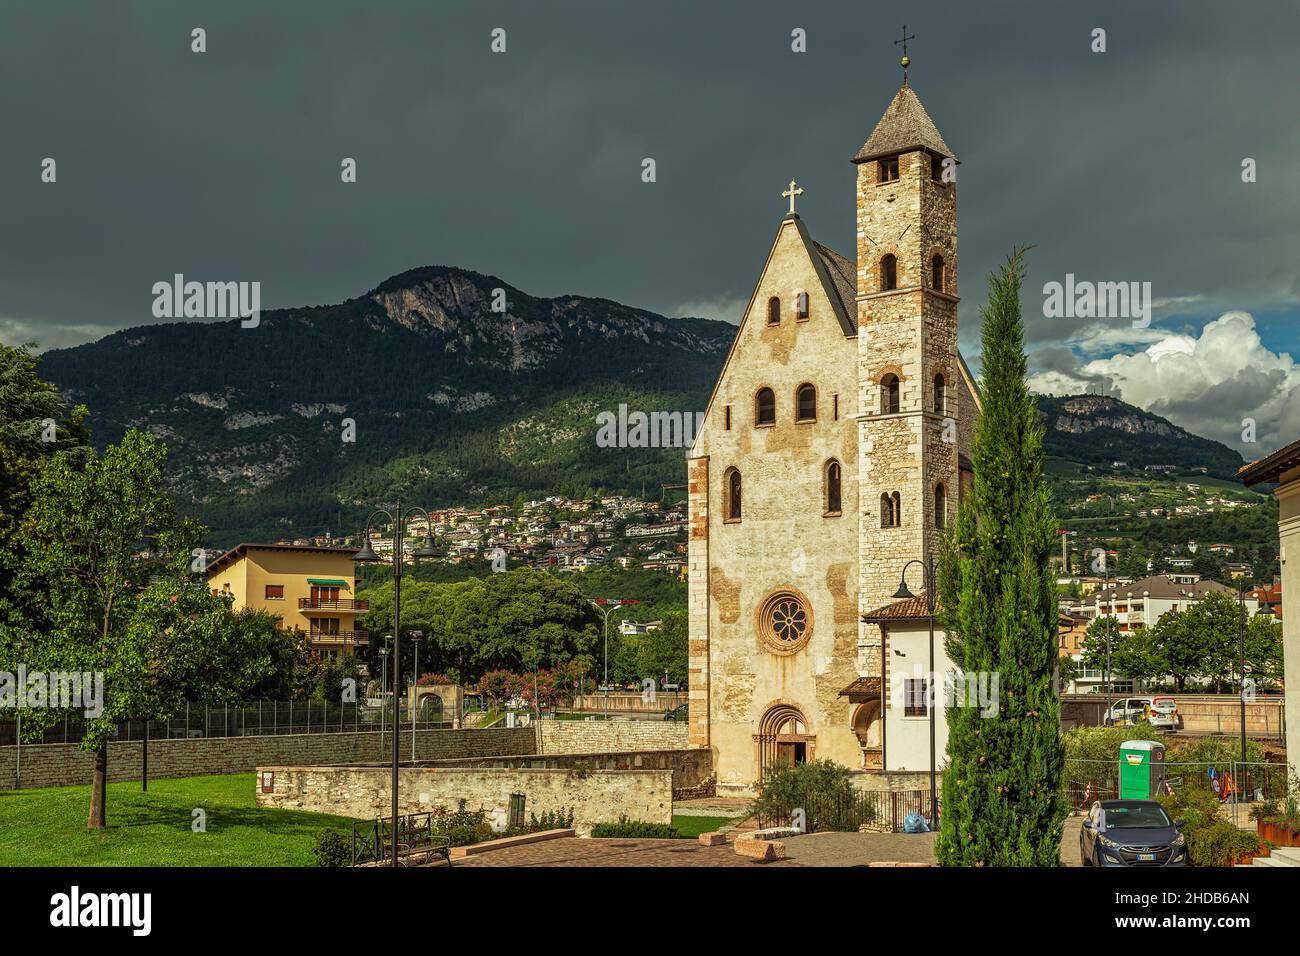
x: 606, y: 605
x: 397, y: 519
x: 903, y: 594
x: 1241, y: 669
x: 18, y: 739
x: 415, y: 688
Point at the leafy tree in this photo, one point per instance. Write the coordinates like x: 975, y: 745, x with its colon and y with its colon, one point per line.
x: 1002, y: 798
x: 28, y: 408
x: 1132, y: 654
x: 1200, y: 642
x: 490, y: 623
x: 106, y: 566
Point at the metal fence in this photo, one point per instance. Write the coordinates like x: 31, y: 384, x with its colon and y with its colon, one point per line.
x: 254, y: 719
x: 1236, y: 783
x: 874, y: 809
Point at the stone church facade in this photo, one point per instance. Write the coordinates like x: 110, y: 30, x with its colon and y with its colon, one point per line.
x: 835, y: 448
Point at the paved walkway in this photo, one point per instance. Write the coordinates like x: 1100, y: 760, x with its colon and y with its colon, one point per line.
x: 577, y: 851
x: 811, y: 849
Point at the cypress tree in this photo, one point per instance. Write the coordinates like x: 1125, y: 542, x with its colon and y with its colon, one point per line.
x: 1003, y: 803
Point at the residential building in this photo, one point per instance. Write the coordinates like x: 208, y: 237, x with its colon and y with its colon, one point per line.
x: 308, y: 588
x: 1283, y: 469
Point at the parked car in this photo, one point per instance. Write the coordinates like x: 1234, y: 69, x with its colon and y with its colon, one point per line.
x: 1131, y: 833
x: 1127, y: 711
x: 1164, y: 713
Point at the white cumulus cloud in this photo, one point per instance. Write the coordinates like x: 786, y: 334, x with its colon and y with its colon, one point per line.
x: 1209, y: 384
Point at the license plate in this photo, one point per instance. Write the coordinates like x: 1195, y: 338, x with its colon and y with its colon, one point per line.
x: 1146, y: 857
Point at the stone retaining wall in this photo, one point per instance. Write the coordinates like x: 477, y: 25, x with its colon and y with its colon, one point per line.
x: 598, y: 796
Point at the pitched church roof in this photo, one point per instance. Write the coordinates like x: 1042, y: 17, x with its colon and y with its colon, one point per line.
x: 905, y: 126
x: 843, y: 276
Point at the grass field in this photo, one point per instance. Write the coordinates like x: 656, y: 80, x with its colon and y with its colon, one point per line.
x: 48, y: 827
x: 692, y: 827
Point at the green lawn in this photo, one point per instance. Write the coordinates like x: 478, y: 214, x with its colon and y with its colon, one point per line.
x: 691, y: 827
x: 48, y: 827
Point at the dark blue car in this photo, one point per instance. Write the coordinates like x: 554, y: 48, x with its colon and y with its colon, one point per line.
x: 1131, y: 833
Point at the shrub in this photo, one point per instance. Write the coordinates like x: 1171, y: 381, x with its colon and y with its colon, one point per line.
x: 821, y: 788
x: 461, y: 826
x: 330, y: 849
x: 1220, y: 844
x: 560, y: 819
x: 635, y: 829
x: 1215, y: 750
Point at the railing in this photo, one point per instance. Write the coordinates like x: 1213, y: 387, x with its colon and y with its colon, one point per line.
x: 372, y: 840
x: 1238, y: 784
x: 876, y: 809
x: 337, y: 604
x: 340, y: 637
x: 261, y: 718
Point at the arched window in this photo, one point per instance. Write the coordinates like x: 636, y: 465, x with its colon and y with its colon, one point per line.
x: 731, y: 495
x: 774, y: 311
x: 940, y: 506
x: 891, y: 510
x: 936, y: 273
x: 805, y: 403
x: 889, y: 392
x: 765, y: 407
x: 891, y: 514
x: 833, y: 485
x: 888, y: 273
x: 940, y: 394
x: 801, y: 305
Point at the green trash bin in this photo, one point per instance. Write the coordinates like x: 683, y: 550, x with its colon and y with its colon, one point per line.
x: 1141, y: 769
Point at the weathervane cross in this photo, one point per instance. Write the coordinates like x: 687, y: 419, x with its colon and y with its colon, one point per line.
x: 792, y: 192
x: 906, y: 61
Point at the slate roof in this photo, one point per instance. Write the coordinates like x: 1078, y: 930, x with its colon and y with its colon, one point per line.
x: 905, y: 126
x: 843, y: 276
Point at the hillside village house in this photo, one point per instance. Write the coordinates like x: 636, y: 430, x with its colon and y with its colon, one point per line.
x: 309, y: 588
x: 1283, y: 467
x: 835, y: 449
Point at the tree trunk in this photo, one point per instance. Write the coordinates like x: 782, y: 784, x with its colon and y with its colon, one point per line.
x: 99, y: 789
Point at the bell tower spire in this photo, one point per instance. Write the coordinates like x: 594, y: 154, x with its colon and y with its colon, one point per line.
x: 908, y: 368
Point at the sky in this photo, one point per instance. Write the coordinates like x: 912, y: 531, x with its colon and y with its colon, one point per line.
x: 1117, y: 166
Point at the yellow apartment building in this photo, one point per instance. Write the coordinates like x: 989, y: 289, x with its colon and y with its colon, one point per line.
x: 312, y: 589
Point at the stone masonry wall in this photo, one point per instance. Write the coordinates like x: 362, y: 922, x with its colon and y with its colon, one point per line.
x: 691, y: 769
x: 598, y: 796
x: 61, y: 765
x: 607, y: 736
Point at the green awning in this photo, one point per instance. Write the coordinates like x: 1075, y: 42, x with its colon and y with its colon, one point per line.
x: 328, y: 582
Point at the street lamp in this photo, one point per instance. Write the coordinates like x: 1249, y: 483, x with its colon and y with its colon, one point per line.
x: 902, y: 594
x: 1241, y: 670
x: 397, y: 518
x: 606, y: 605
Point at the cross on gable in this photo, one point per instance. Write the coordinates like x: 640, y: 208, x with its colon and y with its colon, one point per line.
x: 792, y: 192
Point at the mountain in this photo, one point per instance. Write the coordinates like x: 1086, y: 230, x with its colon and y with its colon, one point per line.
x: 452, y: 401
x: 1098, y: 429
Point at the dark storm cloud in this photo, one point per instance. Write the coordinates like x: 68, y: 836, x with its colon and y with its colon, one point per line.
x: 1119, y: 166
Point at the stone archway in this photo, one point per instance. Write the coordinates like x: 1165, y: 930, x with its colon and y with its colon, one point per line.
x: 867, y: 727
x: 783, y: 739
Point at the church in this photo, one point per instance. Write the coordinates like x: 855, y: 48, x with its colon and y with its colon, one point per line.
x: 834, y: 450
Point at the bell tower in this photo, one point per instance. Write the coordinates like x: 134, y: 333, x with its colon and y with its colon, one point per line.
x: 908, y: 368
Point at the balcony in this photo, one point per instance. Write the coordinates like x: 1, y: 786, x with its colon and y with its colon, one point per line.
x: 337, y: 604
x: 340, y: 638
